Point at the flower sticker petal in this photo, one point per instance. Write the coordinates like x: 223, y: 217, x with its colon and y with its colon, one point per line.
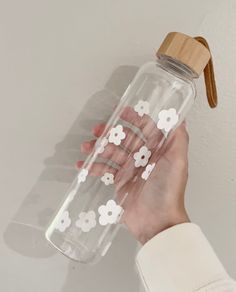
x: 148, y: 170
x: 167, y: 119
x: 117, y: 134
x: 82, y: 175
x: 86, y: 221
x: 101, y: 144
x: 109, y: 213
x: 108, y: 178
x: 63, y: 222
x: 141, y: 157
x: 142, y: 107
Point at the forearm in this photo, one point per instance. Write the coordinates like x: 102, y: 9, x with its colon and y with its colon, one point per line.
x: 181, y: 259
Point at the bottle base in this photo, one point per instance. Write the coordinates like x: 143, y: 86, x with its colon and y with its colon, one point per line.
x: 74, y: 251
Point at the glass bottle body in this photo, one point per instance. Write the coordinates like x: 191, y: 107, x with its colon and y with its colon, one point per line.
x: 98, y: 201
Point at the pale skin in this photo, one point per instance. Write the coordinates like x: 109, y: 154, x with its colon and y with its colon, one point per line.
x: 157, y: 203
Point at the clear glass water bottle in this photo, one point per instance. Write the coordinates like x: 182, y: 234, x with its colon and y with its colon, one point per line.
x: 154, y: 104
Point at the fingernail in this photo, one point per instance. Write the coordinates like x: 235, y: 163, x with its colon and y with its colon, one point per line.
x: 84, y: 147
x: 79, y: 163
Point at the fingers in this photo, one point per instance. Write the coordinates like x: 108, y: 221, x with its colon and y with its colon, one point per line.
x: 111, y: 152
x: 98, y: 169
x: 145, y: 124
x: 129, y: 115
x: 132, y: 141
x: 121, y: 176
x: 99, y: 129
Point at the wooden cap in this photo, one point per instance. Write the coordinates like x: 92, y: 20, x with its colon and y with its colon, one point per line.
x: 185, y: 49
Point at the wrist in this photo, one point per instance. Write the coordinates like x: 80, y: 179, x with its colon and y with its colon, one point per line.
x: 175, y: 219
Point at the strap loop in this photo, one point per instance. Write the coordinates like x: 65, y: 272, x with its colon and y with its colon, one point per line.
x: 209, y: 77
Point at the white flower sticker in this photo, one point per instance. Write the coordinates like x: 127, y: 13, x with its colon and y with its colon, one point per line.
x: 148, y: 170
x: 108, y: 178
x: 63, y: 222
x: 86, y: 221
x: 82, y: 175
x: 142, y: 107
x: 117, y: 134
x: 141, y: 157
x: 109, y: 213
x: 101, y: 144
x: 167, y: 119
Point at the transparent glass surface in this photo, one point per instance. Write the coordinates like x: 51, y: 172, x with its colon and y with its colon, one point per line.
x: 114, y: 175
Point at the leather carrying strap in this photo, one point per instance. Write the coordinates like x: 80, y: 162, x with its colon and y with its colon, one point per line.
x: 209, y: 77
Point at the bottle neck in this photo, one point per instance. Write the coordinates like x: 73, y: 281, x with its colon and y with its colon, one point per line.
x: 176, y: 67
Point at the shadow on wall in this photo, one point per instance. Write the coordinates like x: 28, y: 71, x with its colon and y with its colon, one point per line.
x: 115, y: 272
x: 25, y: 233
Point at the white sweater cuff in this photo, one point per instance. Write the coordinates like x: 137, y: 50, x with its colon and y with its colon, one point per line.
x: 179, y: 259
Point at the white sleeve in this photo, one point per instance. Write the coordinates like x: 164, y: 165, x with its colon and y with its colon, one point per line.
x: 180, y: 259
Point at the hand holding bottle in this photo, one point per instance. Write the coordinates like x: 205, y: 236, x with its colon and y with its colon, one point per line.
x: 154, y: 204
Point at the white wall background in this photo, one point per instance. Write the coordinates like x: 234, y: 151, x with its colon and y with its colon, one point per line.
x: 60, y: 62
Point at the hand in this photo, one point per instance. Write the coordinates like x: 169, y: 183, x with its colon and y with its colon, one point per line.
x: 157, y: 203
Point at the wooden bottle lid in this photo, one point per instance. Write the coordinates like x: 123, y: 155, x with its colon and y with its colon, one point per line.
x: 185, y: 49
